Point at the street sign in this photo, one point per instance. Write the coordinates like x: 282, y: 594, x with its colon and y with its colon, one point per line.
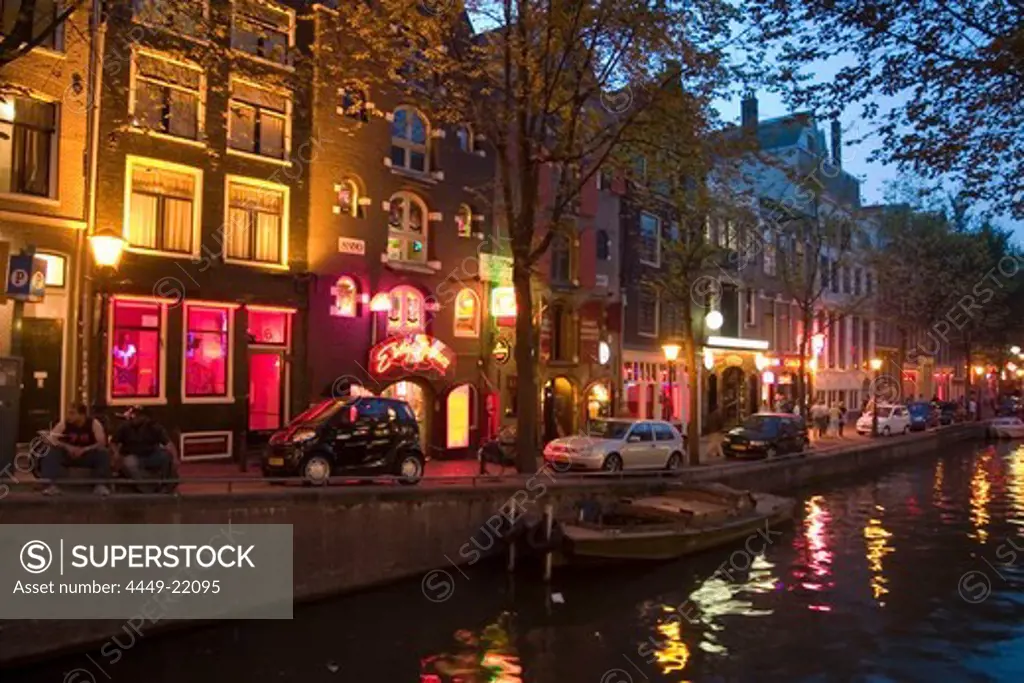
x: 26, y: 278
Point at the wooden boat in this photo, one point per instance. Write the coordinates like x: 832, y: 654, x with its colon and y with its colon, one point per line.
x: 677, y: 523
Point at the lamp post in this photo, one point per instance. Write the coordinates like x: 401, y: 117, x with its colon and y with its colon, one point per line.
x: 106, y: 253
x: 671, y: 356
x: 876, y: 365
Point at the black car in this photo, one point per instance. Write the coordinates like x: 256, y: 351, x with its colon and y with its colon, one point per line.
x: 767, y: 435
x: 354, y: 436
x: 923, y: 415
x: 949, y: 413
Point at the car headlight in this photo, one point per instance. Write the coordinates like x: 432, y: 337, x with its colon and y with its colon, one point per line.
x: 303, y: 435
x: 758, y: 443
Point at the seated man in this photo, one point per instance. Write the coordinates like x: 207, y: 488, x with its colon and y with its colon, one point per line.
x: 143, y: 445
x: 77, y: 441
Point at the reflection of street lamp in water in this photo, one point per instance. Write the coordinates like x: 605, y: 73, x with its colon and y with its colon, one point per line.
x: 876, y: 365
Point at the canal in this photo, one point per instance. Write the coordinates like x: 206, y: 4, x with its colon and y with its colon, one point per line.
x: 913, y: 574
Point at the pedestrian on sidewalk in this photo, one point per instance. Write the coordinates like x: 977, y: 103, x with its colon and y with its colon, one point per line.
x: 714, y: 450
x: 972, y: 410
x: 819, y: 415
x: 842, y: 418
x: 833, y: 419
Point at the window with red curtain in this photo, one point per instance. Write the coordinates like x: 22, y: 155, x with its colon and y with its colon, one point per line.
x: 207, y: 351
x: 135, y: 348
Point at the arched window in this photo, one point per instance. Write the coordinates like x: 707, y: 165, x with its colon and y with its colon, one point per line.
x: 348, y: 197
x: 407, y: 228
x: 410, y: 135
x: 464, y: 221
x: 406, y: 314
x: 465, y: 135
x: 346, y: 298
x: 604, y: 246
x: 467, y: 314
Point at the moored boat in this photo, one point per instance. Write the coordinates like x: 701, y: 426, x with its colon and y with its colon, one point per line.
x: 677, y: 523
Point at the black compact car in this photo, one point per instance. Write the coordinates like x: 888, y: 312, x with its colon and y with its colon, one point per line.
x: 766, y: 435
x: 355, y: 436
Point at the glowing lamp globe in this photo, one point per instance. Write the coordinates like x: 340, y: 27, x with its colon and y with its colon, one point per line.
x: 714, y: 320
x: 671, y: 352
x: 106, y: 250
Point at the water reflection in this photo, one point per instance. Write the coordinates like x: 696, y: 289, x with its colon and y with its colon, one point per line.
x: 730, y: 593
x: 981, y: 496
x: 671, y: 653
x: 487, y: 658
x: 878, y: 546
x: 1015, y: 486
x: 815, y: 574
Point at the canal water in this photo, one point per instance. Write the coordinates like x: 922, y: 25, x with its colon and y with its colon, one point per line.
x: 914, y: 574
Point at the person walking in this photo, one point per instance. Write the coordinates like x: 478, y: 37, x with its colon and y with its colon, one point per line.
x: 842, y: 418
x: 972, y: 410
x: 833, y: 419
x: 819, y: 415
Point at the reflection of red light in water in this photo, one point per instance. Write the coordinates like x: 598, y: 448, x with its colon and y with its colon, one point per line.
x: 815, y: 542
x: 430, y: 678
x: 819, y: 608
x: 913, y: 509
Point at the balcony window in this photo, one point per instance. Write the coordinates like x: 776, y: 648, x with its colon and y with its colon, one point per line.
x: 650, y: 240
x: 263, y: 31
x: 260, y: 120
x: 136, y: 350
x: 257, y: 221
x: 410, y: 133
x: 163, y: 206
x: 407, y: 229
x: 28, y: 146
x: 167, y: 96
x: 207, y: 351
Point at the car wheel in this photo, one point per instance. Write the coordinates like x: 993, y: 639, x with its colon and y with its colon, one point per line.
x: 410, y: 468
x: 771, y: 452
x: 613, y: 463
x: 316, y: 470
x: 886, y: 431
x: 675, y: 462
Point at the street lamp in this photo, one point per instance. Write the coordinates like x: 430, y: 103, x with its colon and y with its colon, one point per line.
x: 1015, y: 350
x: 714, y: 320
x: 671, y: 356
x: 876, y: 365
x: 107, y: 250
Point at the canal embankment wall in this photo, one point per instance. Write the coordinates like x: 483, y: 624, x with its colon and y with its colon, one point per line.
x: 353, y: 538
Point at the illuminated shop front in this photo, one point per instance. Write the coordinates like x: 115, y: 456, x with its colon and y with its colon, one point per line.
x: 187, y: 360
x: 654, y: 389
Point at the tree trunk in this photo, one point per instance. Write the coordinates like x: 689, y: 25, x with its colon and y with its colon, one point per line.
x: 693, y: 382
x: 527, y: 356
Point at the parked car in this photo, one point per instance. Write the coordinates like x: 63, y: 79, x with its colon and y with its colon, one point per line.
x: 353, y: 436
x: 950, y: 412
x: 891, y: 420
x: 923, y: 415
x: 766, y: 435
x: 1006, y: 428
x: 614, y: 445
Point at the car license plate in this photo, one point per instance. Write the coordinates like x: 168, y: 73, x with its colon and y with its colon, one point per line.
x: 275, y: 462
x: 739, y: 447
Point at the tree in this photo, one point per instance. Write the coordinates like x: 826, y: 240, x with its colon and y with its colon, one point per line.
x: 31, y: 24
x: 951, y: 73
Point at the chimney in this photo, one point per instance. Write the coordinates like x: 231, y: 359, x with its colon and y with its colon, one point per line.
x: 837, y: 144
x: 748, y: 110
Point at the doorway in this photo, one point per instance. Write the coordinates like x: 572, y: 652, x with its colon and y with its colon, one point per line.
x: 421, y: 403
x: 559, y: 409
x: 42, y: 347
x: 266, y: 391
x: 732, y: 395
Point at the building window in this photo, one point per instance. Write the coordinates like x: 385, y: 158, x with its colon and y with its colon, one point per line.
x: 858, y: 277
x: 823, y: 272
x: 410, y: 132
x: 868, y: 284
x: 348, y: 198
x: 563, y: 333
x: 56, y: 269
x: 561, y: 259
x: 353, y: 103
x: 407, y: 229
x: 346, y: 298
x: 464, y: 221
x: 163, y: 206
x: 45, y: 12
x: 467, y: 314
x: 257, y: 221
x: 750, y: 307
x: 268, y: 327
x: 406, y: 314
x: 650, y: 240
x: 262, y: 30
x: 186, y: 18
x: 207, y: 351
x: 259, y: 121
x: 604, y: 180
x: 647, y: 312
x: 136, y: 350
x: 770, y: 261
x: 465, y: 136
x: 604, y: 246
x: 28, y: 146
x: 833, y: 277
x: 167, y: 95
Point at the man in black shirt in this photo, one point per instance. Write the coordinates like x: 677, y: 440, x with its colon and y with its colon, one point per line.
x: 77, y: 441
x: 144, y: 446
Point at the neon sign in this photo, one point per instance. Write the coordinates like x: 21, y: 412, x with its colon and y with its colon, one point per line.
x: 417, y: 352
x: 503, y: 303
